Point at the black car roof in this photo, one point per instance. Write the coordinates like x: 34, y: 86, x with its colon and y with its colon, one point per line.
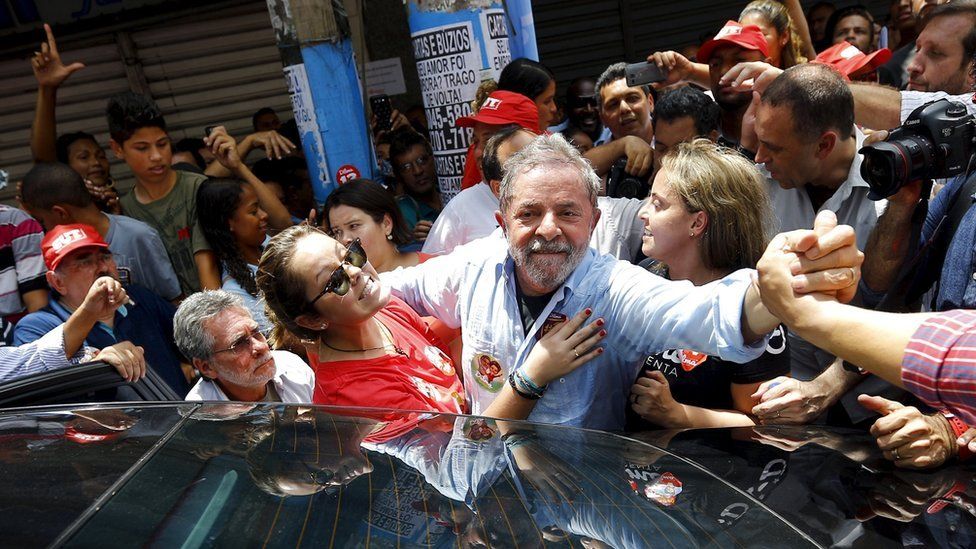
x: 222, y: 474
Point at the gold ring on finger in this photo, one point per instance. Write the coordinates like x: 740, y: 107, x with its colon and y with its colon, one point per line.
x: 575, y: 352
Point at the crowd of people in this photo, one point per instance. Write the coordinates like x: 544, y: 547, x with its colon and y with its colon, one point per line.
x: 542, y: 290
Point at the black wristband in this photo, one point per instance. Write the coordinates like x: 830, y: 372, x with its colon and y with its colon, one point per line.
x: 519, y: 392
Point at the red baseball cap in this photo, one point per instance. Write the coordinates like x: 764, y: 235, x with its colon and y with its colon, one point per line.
x: 849, y: 60
x: 748, y: 37
x: 60, y: 241
x: 505, y: 107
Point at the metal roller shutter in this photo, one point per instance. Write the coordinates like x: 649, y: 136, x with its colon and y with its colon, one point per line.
x: 200, y: 69
x: 81, y: 104
x: 215, y: 71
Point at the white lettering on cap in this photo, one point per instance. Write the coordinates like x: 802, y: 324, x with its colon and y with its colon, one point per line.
x: 850, y: 51
x: 67, y: 237
x: 492, y: 104
x: 728, y: 30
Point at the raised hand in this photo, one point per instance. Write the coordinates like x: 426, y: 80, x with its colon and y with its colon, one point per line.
x: 224, y: 148
x: 49, y: 70
x: 274, y: 144
x: 678, y: 66
x: 104, y: 297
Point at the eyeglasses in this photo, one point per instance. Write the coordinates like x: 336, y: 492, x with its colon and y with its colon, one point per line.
x: 245, y: 341
x: 339, y: 281
x: 419, y: 162
x: 88, y: 260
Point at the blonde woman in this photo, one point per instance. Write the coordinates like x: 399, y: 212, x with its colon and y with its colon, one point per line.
x: 707, y: 216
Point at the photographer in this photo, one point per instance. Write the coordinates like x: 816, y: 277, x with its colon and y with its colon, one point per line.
x: 895, y: 263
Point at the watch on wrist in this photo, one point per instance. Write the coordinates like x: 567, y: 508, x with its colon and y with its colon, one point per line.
x: 958, y: 428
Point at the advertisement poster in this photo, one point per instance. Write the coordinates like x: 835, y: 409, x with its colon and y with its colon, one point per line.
x: 308, y: 126
x: 455, y: 51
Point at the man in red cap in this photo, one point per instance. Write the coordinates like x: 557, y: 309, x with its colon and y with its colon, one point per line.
x: 76, y: 258
x: 732, y: 45
x: 470, y: 214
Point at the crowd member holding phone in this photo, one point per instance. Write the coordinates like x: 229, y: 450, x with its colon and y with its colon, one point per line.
x: 708, y: 215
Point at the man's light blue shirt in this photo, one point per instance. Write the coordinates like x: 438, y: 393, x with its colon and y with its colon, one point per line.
x: 474, y: 288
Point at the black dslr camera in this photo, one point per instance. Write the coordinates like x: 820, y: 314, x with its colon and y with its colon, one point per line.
x: 936, y: 141
x: 621, y: 184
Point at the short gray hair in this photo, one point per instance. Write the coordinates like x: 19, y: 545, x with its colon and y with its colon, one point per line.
x: 191, y: 339
x: 548, y: 151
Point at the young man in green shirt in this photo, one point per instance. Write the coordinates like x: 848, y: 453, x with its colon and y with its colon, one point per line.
x: 165, y: 198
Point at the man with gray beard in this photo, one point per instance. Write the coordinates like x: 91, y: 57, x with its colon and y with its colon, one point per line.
x: 507, y: 293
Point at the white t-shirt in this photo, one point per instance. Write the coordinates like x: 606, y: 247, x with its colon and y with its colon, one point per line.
x: 469, y: 216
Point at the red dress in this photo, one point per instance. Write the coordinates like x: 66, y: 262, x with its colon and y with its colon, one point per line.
x: 417, y: 375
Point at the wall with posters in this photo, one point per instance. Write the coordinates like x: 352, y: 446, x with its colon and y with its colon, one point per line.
x: 454, y: 51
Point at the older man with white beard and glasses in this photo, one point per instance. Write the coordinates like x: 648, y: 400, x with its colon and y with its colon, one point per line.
x: 505, y: 294
x: 216, y: 332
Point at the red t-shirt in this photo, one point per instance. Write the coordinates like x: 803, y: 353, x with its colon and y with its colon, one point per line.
x: 418, y: 375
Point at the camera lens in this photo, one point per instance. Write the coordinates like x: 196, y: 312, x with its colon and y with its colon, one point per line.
x: 890, y: 165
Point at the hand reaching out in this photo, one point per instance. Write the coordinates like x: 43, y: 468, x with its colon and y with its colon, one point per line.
x: 908, y: 437
x: 651, y: 398
x: 49, y: 70
x: 274, y: 144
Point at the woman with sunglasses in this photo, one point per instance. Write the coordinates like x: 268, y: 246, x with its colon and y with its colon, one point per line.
x: 707, y: 216
x: 370, y: 349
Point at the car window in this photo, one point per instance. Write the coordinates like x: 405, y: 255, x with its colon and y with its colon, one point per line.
x: 54, y: 465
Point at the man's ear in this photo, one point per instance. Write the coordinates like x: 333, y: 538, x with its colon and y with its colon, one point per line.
x: 597, y: 212
x: 712, y: 136
x: 501, y: 221
x: 826, y: 144
x: 311, y: 321
x: 205, y: 368
x: 64, y: 216
x: 495, y: 186
x: 54, y: 281
x: 116, y: 148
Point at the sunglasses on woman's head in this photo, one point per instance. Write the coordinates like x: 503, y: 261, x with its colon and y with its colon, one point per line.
x: 339, y: 282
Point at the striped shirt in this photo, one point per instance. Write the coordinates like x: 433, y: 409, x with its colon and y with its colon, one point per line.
x: 41, y: 355
x: 21, y: 263
x: 939, y: 365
